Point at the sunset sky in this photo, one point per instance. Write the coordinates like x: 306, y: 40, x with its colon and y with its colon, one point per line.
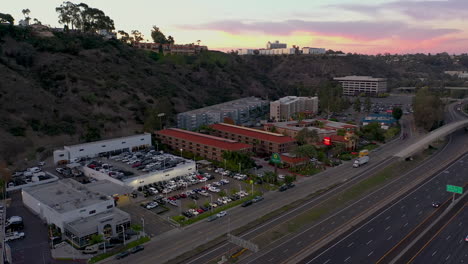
x: 364, y: 26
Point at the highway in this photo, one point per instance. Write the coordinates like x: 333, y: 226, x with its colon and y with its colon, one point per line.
x: 370, y: 241
x: 449, y: 246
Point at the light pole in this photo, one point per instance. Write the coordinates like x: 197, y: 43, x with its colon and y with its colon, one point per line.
x: 160, y: 115
x: 143, y: 225
x: 239, y: 167
x: 73, y: 242
x: 181, y: 153
x: 157, y: 147
x: 123, y: 227
x: 211, y: 205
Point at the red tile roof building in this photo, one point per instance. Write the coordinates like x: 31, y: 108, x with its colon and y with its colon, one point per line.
x: 206, y: 146
x: 292, y: 161
x: 263, y: 142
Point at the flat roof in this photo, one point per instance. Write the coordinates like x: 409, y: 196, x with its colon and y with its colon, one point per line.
x: 108, y: 140
x: 290, y: 99
x: 359, y: 78
x: 254, y: 133
x: 65, y: 195
x: 204, y: 139
x: 235, y: 104
x: 89, y: 225
x: 291, y: 125
x: 108, y: 188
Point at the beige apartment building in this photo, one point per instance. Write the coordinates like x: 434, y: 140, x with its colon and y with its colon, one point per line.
x: 287, y: 107
x: 355, y: 85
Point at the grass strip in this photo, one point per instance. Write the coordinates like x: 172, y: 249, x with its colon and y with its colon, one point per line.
x: 118, y: 250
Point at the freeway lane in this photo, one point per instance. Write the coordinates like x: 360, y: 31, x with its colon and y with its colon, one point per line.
x: 449, y: 246
x: 374, y: 238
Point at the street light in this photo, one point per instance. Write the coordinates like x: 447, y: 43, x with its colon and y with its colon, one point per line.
x: 181, y: 153
x: 239, y: 167
x: 211, y: 205
x: 143, y: 225
x: 123, y: 227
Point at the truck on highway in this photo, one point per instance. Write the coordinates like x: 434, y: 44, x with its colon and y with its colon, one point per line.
x: 363, y: 153
x: 360, y: 161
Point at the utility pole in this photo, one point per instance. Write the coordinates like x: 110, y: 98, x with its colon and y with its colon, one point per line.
x: 123, y: 227
x: 143, y: 225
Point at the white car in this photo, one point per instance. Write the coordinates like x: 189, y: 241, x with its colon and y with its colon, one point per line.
x: 152, y: 205
x: 204, y: 193
x: 13, y: 236
x: 59, y: 170
x: 221, y: 214
x: 41, y: 163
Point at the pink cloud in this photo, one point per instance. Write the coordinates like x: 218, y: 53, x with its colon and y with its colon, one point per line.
x: 359, y: 30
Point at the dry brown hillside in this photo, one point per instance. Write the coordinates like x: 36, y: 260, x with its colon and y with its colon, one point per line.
x: 72, y: 88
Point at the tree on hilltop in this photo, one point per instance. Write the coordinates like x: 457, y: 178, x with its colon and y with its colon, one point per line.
x: 6, y: 18
x: 83, y: 17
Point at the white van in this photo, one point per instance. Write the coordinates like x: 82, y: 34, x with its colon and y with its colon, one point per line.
x: 34, y: 169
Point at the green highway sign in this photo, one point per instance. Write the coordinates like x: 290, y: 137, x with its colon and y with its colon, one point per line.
x: 454, y: 189
x: 275, y: 158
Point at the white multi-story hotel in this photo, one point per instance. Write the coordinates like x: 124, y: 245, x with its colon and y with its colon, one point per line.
x: 286, y: 107
x: 355, y: 85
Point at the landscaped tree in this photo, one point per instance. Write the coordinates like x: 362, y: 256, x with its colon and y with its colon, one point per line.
x: 357, y: 105
x: 305, y: 135
x: 397, y: 113
x: 96, y: 239
x: 289, y: 179
x: 305, y: 151
x: 368, y: 104
x: 170, y: 40
x: 6, y: 18
x: 428, y: 109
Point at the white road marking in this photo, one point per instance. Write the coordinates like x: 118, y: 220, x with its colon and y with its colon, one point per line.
x: 368, y: 242
x: 286, y: 250
x: 448, y: 237
x: 328, y: 260
x: 390, y: 237
x: 333, y: 222
x: 271, y: 260
x: 370, y: 230
x: 388, y: 217
x: 417, y: 205
x: 298, y: 243
x: 433, y: 254
x: 370, y: 253
x: 387, y: 228
x: 352, y: 243
x: 347, y: 258
x: 447, y: 257
x: 403, y: 215
x: 405, y: 224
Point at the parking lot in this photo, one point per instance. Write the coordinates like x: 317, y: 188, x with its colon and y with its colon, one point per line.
x: 196, y: 193
x: 34, y: 248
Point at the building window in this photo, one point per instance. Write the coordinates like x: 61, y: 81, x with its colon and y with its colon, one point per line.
x: 61, y: 155
x: 81, y: 149
x: 142, y: 139
x: 110, y: 206
x: 92, y: 212
x: 123, y: 142
x: 103, y: 146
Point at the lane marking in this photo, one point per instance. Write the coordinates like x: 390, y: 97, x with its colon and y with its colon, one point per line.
x: 370, y: 253
x: 347, y: 258
x: 368, y: 242
x: 352, y: 243
x: 370, y: 230
x: 435, y: 252
x: 387, y: 228
x: 390, y: 237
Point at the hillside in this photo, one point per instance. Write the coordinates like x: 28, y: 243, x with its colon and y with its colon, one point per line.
x: 72, y: 88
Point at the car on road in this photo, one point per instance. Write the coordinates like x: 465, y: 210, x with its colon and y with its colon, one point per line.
x: 136, y: 249
x: 257, y: 199
x: 435, y: 204
x: 466, y: 238
x: 290, y: 185
x: 283, y: 188
x: 122, y: 255
x: 221, y: 214
x: 212, y: 218
x: 247, y: 203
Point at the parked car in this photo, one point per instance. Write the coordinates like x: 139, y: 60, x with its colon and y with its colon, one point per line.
x: 151, y: 205
x: 435, y: 204
x: 283, y: 188
x: 122, y: 255
x: 14, y: 236
x: 106, y: 245
x: 136, y: 249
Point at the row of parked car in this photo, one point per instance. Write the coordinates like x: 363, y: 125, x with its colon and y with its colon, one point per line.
x: 178, y: 183
x: 214, y: 204
x: 148, y: 160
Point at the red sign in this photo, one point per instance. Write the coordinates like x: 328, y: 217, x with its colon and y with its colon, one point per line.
x: 327, y: 141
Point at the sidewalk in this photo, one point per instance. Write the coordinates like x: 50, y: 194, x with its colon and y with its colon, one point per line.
x: 66, y: 251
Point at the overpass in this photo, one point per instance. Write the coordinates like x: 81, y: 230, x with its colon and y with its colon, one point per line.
x: 432, y: 136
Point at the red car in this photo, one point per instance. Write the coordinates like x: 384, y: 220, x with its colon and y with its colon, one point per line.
x: 200, y: 211
x: 136, y: 165
x: 204, y: 188
x: 172, y: 198
x: 199, y: 177
x: 183, y: 195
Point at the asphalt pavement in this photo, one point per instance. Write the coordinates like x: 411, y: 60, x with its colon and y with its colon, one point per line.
x: 370, y: 241
x: 449, y: 246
